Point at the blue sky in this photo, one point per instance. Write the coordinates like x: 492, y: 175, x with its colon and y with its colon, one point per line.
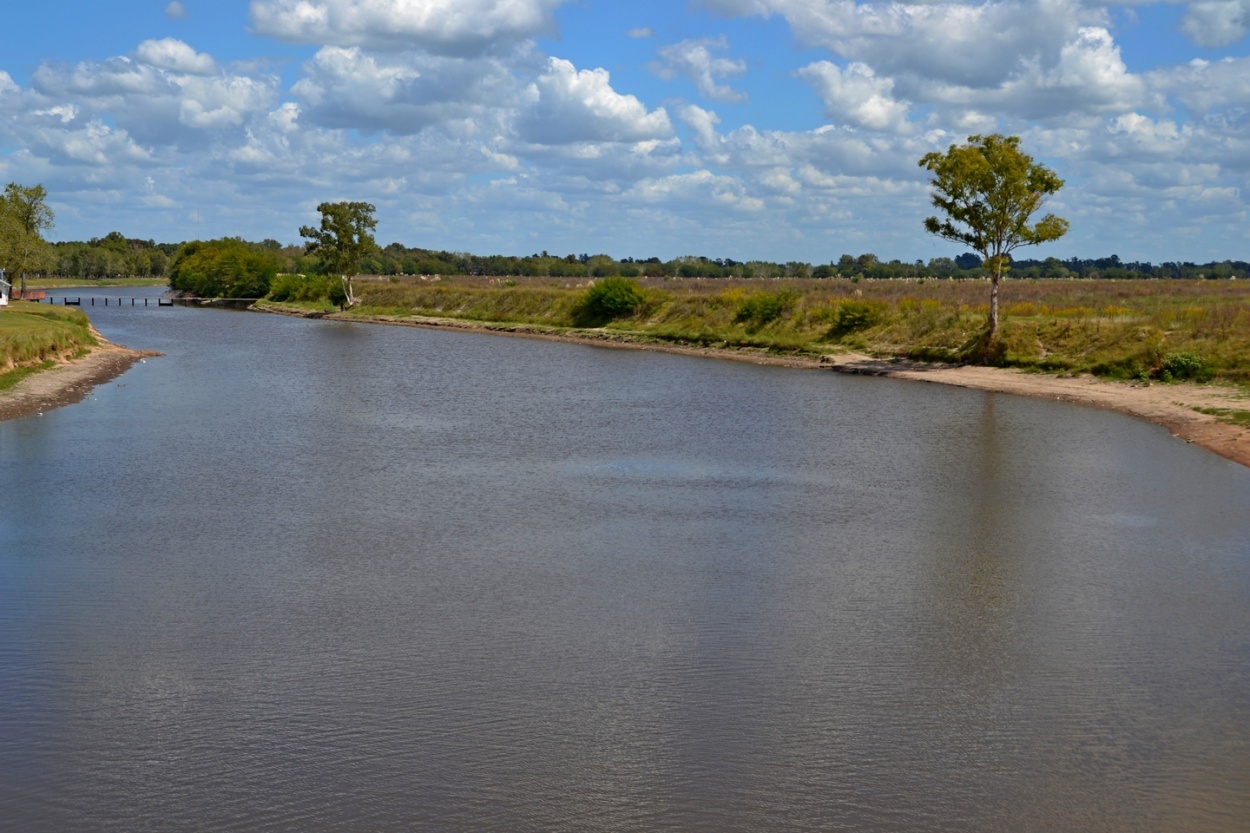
x: 773, y: 129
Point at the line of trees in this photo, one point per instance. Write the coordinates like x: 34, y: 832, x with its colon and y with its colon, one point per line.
x: 115, y: 255
x: 111, y: 256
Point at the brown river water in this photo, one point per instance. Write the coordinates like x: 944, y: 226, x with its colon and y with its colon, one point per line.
x: 313, y: 576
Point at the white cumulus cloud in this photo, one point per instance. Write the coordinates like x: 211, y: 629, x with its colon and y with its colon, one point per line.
x: 566, y: 105
x: 697, y: 191
x: 1206, y: 86
x: 857, y: 96
x: 1089, y: 76
x: 94, y: 143
x: 1215, y: 23
x: 975, y: 46
x: 453, y: 27
x: 165, y: 94
x: 693, y: 60
x: 176, y: 56
x: 400, y: 92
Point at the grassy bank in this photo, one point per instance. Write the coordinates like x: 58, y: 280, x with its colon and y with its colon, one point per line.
x: 33, y: 336
x: 63, y: 283
x: 1162, y: 330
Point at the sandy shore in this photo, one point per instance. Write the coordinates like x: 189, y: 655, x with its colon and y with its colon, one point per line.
x: 1171, y: 406
x: 68, y: 382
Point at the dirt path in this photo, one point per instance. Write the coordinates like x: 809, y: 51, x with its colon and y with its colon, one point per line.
x: 69, y: 382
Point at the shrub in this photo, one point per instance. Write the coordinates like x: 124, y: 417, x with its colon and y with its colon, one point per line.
x: 609, y: 299
x: 313, y: 288
x: 1185, y: 366
x: 853, y: 316
x: 759, y: 308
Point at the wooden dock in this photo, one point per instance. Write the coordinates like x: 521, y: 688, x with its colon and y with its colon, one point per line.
x: 116, y: 302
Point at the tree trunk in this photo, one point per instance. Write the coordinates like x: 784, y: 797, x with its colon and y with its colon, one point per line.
x: 347, y: 292
x: 995, y: 276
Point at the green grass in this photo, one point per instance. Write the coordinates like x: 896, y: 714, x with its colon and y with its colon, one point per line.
x: 11, y: 378
x: 1232, y: 416
x: 33, y: 334
x: 63, y: 283
x: 298, y: 307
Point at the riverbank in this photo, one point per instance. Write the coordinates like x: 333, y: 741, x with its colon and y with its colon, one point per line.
x: 67, y: 382
x: 1174, y: 406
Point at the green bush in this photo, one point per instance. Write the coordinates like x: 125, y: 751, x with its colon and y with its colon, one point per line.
x: 760, y: 308
x: 1186, y: 367
x: 310, y: 288
x: 853, y: 316
x: 609, y: 299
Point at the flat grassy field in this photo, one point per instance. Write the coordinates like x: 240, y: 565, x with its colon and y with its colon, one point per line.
x: 1161, y: 330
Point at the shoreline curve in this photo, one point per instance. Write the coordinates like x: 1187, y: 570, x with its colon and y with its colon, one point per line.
x: 1170, y: 406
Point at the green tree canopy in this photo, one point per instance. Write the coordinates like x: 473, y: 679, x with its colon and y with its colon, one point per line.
x: 226, y: 268
x: 988, y: 189
x: 24, y: 217
x: 343, y: 239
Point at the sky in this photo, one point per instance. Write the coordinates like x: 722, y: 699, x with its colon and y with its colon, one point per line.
x: 747, y: 129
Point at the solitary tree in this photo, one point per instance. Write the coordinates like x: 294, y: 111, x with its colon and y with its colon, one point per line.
x: 24, y: 217
x: 343, y: 240
x: 988, y: 189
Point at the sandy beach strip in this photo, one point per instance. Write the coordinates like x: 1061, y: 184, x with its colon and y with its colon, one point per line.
x: 69, y: 381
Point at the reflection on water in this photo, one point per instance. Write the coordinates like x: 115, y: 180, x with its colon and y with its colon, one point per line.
x: 316, y: 576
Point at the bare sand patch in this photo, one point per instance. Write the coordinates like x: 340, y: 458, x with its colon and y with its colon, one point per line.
x: 1169, y: 405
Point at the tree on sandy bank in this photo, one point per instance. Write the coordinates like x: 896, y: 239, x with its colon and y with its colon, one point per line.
x: 988, y: 189
x: 344, y: 238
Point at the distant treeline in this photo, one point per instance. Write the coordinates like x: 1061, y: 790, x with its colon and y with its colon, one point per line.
x: 117, y: 255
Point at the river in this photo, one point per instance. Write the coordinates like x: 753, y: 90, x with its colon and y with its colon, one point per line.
x: 315, y: 576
